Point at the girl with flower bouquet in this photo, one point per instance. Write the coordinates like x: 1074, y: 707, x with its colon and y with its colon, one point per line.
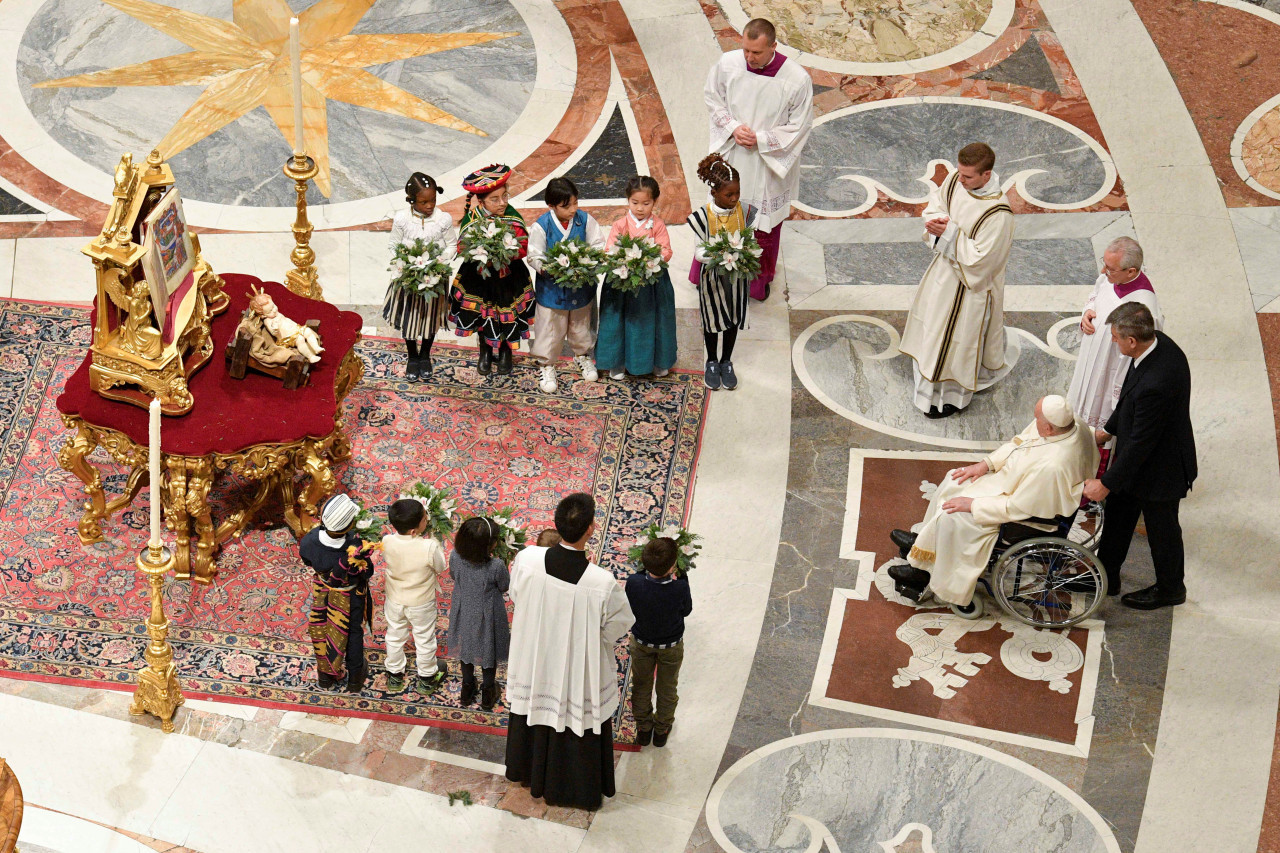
x: 722, y: 295
x: 479, y: 634
x: 638, y: 328
x: 415, y: 314
x: 563, y: 313
x: 492, y: 296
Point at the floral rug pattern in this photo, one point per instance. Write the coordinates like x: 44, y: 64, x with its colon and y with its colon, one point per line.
x: 74, y: 614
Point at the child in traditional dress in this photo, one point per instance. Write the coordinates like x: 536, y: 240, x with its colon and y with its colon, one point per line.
x: 562, y: 314
x: 722, y: 298
x: 340, y: 594
x: 414, y: 565
x: 479, y: 634
x: 638, y: 330
x: 660, y: 601
x: 496, y: 305
x: 416, y: 317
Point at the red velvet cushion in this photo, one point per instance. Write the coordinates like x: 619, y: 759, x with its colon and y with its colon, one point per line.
x: 232, y: 414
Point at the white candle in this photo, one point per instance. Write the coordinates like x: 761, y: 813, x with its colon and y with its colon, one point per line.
x: 295, y: 64
x: 154, y: 469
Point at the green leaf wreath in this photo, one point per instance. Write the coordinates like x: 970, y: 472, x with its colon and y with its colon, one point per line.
x: 420, y: 269
x: 687, y: 546
x: 490, y: 243
x: 368, y: 526
x: 441, y: 507
x: 574, y: 265
x: 734, y: 253
x: 634, y: 263
x: 509, y: 539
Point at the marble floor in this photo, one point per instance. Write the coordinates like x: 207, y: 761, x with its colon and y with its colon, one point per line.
x: 818, y: 711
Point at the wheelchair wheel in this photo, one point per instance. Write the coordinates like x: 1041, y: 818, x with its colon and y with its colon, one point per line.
x: 1049, y: 582
x: 973, y: 610
x: 1087, y: 529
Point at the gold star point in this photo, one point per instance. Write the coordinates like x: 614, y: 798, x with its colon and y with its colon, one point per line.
x: 244, y: 63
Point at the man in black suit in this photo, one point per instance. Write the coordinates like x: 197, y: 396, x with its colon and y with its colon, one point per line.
x: 1154, y: 460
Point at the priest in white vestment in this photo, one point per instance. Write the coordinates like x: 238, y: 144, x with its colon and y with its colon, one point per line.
x: 955, y: 330
x: 562, y: 674
x: 1039, y: 474
x: 1100, y: 366
x: 761, y: 106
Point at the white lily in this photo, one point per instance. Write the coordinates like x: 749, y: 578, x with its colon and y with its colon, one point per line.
x: 735, y: 241
x: 490, y: 229
x: 620, y: 272
x: 571, y: 248
x: 364, y: 523
x: 671, y: 531
x: 563, y: 262
x: 509, y: 241
x: 632, y: 253
x: 641, y: 541
x: 689, y: 550
x: 480, y: 256
x: 651, y: 266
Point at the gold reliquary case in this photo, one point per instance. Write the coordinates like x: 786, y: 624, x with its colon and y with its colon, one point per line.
x: 156, y: 294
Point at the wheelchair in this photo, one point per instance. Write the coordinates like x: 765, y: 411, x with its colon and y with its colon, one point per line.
x: 1045, y: 579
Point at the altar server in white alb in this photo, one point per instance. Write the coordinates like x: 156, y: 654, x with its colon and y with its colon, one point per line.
x: 1039, y: 474
x: 1100, y: 366
x: 562, y: 674
x: 955, y: 330
x: 761, y: 106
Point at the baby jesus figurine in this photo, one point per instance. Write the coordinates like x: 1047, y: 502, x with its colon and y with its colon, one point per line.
x: 287, y: 333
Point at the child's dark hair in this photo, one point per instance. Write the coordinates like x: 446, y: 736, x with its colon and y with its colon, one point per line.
x: 574, y: 516
x: 560, y: 191
x: 478, y: 198
x: 643, y: 182
x: 715, y: 171
x: 405, y: 515
x: 659, y: 556
x: 417, y: 183
x: 474, y: 541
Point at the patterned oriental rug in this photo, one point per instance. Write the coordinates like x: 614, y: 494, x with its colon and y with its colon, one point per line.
x: 74, y: 614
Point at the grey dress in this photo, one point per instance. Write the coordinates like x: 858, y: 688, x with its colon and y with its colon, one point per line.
x: 479, y: 632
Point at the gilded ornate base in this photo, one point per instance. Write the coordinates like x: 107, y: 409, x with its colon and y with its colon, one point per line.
x: 158, y: 692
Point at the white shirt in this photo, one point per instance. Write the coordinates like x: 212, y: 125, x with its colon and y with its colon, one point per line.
x: 1146, y: 352
x: 437, y: 228
x: 538, y: 238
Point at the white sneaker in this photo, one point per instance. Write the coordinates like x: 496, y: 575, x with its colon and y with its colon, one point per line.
x: 547, y: 381
x: 587, y: 367
x: 661, y: 371
x: 617, y: 375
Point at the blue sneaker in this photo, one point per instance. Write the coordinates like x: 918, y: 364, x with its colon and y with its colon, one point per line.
x: 728, y: 379
x: 711, y: 378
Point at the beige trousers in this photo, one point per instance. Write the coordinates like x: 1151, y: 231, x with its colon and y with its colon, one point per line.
x: 553, y: 326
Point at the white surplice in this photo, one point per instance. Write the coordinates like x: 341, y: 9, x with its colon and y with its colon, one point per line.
x: 561, y: 671
x: 1100, y: 366
x: 779, y: 110
x: 955, y: 330
x: 1031, y: 476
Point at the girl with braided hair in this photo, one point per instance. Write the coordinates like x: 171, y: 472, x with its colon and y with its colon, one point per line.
x: 722, y: 299
x: 416, y: 317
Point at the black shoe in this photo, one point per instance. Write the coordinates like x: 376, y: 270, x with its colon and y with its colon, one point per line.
x: 412, y: 370
x: 1151, y: 599
x: 325, y: 682
x: 909, y: 576
x: 908, y: 592
x: 485, y: 363
x: 904, y: 539
x: 947, y: 411
x: 424, y: 368
x: 660, y: 738
x: 644, y: 737
x: 488, y: 697
x: 395, y: 682
x: 504, y: 360
x: 1113, y: 586
x: 355, y: 680
x: 468, y: 694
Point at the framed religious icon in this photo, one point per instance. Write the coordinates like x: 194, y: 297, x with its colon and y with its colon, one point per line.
x: 168, y: 259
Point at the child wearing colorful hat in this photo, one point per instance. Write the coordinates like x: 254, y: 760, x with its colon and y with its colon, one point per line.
x: 498, y: 306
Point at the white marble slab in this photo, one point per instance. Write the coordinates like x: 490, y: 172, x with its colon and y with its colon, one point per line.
x: 345, y: 729
x: 62, y: 833
x: 53, y: 269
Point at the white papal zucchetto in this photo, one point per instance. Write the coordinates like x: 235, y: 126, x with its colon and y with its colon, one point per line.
x: 1057, y: 411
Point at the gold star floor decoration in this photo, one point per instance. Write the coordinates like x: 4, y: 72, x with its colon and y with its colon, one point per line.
x: 244, y: 63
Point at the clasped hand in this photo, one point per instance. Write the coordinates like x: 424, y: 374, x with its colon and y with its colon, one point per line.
x: 937, y: 226
x: 745, y: 136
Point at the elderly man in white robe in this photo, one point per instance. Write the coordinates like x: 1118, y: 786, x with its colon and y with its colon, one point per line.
x: 761, y: 106
x: 954, y: 332
x: 1039, y: 474
x: 1100, y: 366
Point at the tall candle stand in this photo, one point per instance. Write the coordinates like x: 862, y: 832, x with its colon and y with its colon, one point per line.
x: 158, y: 692
x: 302, y: 280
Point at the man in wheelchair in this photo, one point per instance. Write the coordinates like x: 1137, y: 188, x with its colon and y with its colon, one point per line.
x: 1039, y: 474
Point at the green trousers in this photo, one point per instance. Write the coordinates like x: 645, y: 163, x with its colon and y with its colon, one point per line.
x: 645, y: 663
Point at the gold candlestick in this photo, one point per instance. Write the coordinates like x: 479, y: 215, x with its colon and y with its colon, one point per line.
x: 158, y: 692
x: 302, y: 280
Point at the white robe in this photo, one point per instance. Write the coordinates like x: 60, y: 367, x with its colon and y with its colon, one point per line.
x: 561, y: 671
x: 955, y: 330
x: 1031, y: 477
x: 1100, y: 366
x: 780, y: 111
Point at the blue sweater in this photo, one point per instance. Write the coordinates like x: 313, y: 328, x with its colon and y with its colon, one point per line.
x: 660, y: 606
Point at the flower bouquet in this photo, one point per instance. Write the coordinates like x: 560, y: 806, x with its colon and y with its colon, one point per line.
x: 635, y: 263
x: 419, y: 269
x: 490, y: 243
x: 509, y: 539
x: 368, y: 527
x: 441, y: 507
x: 574, y: 265
x: 735, y: 253
x: 687, y: 546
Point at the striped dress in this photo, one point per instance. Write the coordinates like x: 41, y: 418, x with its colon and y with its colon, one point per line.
x: 412, y: 315
x: 722, y: 299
